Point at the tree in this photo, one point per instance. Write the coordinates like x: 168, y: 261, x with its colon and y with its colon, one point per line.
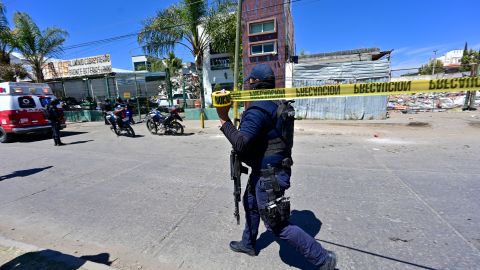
x: 8, y: 72
x: 37, y: 46
x: 6, y: 37
x: 170, y: 66
x: 222, y: 26
x: 171, y: 62
x: 469, y: 57
x: 428, y: 68
x: 184, y: 24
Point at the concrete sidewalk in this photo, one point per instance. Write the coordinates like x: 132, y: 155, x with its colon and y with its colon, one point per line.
x: 18, y: 255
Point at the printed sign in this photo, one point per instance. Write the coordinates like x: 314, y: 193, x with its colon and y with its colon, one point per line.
x: 79, y: 67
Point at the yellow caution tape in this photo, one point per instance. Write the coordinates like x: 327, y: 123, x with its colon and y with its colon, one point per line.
x: 221, y: 98
x: 356, y: 89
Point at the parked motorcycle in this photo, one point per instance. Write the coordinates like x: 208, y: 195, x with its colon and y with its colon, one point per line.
x: 118, y: 128
x: 158, y: 123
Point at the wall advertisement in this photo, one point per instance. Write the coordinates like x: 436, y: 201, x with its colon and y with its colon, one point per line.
x: 79, y: 67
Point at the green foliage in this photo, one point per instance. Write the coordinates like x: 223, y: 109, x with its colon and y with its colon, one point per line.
x: 7, y: 41
x: 222, y: 26
x: 217, y: 87
x: 37, y: 46
x: 469, y: 58
x: 180, y: 25
x: 428, y: 68
x: 10, y: 72
x: 171, y: 62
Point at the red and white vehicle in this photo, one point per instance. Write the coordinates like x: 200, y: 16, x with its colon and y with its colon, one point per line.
x: 22, y: 108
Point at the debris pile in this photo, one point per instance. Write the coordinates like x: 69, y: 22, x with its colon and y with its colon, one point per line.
x: 427, y: 102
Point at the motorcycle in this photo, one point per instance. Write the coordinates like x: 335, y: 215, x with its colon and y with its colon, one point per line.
x: 117, y: 128
x: 164, y: 124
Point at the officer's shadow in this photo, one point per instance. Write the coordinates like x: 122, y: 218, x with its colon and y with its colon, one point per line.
x: 304, y: 219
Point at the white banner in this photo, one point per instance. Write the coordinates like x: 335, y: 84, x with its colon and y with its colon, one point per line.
x: 94, y: 65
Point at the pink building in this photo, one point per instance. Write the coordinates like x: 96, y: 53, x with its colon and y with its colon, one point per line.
x: 267, y: 36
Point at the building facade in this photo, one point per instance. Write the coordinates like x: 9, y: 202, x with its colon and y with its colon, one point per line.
x: 267, y: 36
x: 216, y: 71
x: 141, y: 63
x: 452, y: 58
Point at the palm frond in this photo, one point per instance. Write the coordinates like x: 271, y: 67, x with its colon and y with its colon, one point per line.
x: 160, y: 34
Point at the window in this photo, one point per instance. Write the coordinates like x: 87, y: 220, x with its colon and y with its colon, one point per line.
x: 140, y: 66
x: 263, y: 48
x: 26, y: 102
x: 256, y: 28
x: 44, y: 101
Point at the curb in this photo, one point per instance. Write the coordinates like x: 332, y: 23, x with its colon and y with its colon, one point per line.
x: 51, y: 256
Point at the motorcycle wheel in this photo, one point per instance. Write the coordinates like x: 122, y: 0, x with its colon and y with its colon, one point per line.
x: 114, y: 130
x: 176, y: 128
x: 130, y: 131
x: 152, y: 127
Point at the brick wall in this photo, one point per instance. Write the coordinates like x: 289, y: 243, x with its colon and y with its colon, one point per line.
x: 255, y: 10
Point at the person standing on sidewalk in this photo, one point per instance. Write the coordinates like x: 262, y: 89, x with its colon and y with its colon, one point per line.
x: 55, y: 115
x: 260, y: 143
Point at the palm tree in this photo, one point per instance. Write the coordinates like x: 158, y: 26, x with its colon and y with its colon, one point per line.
x: 37, y: 46
x: 170, y: 66
x: 182, y: 24
x: 8, y: 71
x: 6, y: 37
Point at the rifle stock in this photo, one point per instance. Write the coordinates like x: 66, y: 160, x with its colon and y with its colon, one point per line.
x: 236, y: 170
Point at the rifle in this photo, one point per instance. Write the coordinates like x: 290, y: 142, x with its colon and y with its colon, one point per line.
x: 236, y: 170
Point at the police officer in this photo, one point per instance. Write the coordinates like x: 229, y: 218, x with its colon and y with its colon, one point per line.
x: 270, y: 170
x: 55, y: 115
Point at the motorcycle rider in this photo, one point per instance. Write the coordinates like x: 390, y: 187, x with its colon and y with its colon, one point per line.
x: 120, y: 113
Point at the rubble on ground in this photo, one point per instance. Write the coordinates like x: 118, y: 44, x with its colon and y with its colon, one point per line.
x: 428, y: 101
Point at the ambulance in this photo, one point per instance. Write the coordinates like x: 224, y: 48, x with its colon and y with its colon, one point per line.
x: 22, y: 109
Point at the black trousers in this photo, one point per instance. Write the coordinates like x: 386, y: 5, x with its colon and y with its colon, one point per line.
x: 56, y: 131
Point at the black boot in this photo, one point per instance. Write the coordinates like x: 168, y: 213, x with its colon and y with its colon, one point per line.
x: 238, y: 246
x: 60, y: 142
x: 56, y: 141
x: 330, y: 262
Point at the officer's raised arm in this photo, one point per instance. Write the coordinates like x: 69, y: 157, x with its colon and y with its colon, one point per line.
x: 252, y: 123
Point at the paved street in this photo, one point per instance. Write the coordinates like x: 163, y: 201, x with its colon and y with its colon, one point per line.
x: 395, y: 194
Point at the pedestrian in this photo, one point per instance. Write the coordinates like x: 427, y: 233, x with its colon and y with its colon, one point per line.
x: 263, y: 146
x: 55, y: 116
x: 106, y: 108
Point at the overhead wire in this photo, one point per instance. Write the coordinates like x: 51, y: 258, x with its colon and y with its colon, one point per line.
x: 130, y: 35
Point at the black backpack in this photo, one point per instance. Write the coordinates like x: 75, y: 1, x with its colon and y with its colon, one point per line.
x: 284, y: 124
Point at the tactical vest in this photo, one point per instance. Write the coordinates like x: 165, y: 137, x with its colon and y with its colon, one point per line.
x: 283, y: 124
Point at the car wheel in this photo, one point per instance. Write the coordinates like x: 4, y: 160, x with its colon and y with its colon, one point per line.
x: 4, y: 136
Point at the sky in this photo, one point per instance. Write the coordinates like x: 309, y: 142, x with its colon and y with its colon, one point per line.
x: 412, y: 28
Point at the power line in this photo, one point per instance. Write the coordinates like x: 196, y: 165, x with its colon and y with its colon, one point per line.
x: 283, y: 3
x: 130, y: 35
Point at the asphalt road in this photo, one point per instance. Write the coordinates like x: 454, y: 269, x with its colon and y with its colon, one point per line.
x: 394, y: 194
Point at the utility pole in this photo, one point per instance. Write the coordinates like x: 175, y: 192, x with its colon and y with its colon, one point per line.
x: 470, y: 95
x: 235, y: 68
x: 434, y: 62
